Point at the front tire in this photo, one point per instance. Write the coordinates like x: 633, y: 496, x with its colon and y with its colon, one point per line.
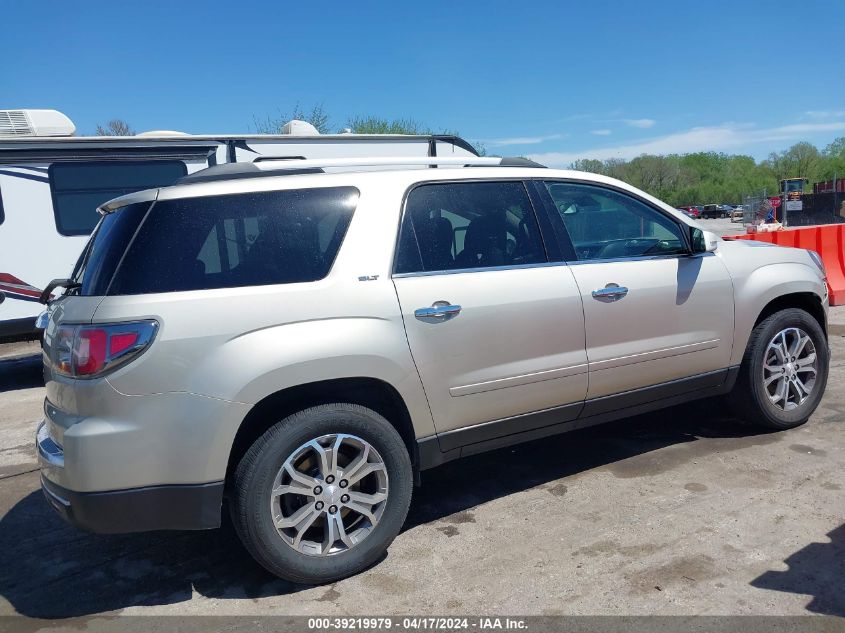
x: 322, y: 494
x: 784, y: 371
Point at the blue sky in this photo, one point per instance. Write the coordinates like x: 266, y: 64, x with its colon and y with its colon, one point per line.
x: 553, y: 80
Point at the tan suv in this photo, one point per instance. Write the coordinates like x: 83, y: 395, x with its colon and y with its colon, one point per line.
x: 302, y: 344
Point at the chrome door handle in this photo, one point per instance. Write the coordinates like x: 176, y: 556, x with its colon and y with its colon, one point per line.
x: 611, y: 292
x: 440, y: 311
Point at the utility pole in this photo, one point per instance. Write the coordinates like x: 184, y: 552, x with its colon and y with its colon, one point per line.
x: 783, y: 186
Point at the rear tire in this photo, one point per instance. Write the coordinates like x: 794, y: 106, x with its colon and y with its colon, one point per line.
x: 332, y: 540
x: 787, y: 355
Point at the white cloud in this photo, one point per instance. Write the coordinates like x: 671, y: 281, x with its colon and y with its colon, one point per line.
x: 697, y: 139
x: 522, y: 140
x: 603, y: 132
x: 825, y: 114
x: 640, y: 123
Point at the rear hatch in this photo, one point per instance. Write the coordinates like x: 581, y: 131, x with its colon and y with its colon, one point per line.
x: 171, y: 279
x: 90, y: 279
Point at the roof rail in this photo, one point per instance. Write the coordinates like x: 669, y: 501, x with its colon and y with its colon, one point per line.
x: 377, y: 161
x: 286, y: 166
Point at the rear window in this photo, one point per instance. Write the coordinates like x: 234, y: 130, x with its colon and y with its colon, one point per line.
x: 79, y: 188
x: 250, y: 239
x: 105, y: 248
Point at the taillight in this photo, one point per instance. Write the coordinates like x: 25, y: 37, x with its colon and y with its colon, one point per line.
x: 88, y: 351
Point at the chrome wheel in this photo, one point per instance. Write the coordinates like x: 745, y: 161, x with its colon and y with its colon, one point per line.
x: 329, y: 494
x: 789, y: 368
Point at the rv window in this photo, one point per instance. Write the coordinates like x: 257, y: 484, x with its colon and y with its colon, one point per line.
x: 2, y: 213
x: 79, y: 188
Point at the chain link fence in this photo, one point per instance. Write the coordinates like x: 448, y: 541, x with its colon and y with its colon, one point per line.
x: 824, y: 208
x: 752, y: 206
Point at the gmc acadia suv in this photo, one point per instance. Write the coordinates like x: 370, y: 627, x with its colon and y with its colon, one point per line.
x: 304, y: 343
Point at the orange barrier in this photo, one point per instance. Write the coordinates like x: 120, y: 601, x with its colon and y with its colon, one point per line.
x: 828, y: 240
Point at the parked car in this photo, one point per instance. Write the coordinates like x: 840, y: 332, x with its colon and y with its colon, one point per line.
x: 738, y: 213
x: 304, y: 344
x: 711, y: 211
x: 690, y: 211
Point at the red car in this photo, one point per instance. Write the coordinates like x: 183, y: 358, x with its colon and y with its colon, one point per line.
x: 693, y: 212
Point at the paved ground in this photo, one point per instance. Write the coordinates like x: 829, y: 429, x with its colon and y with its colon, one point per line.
x: 722, y: 226
x: 678, y: 512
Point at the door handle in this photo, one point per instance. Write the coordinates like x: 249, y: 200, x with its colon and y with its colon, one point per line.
x: 440, y: 311
x: 611, y: 292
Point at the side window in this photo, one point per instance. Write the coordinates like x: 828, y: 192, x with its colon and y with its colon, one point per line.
x: 229, y: 241
x: 605, y: 224
x: 452, y: 226
x: 2, y: 213
x: 79, y: 188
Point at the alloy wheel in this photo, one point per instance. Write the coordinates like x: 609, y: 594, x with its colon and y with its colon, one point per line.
x: 329, y: 494
x: 790, y: 368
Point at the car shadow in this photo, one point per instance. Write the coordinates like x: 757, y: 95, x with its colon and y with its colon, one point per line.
x: 23, y: 372
x: 628, y: 448
x: 689, y: 269
x: 50, y: 570
x: 817, y: 570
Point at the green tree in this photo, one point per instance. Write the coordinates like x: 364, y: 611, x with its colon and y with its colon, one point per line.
x: 833, y: 160
x: 115, y: 127
x: 700, y: 177
x: 316, y: 116
x: 380, y: 125
x: 362, y: 124
x: 802, y: 160
x: 588, y: 164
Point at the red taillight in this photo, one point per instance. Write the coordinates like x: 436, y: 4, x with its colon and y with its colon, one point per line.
x: 87, y: 351
x: 122, y: 342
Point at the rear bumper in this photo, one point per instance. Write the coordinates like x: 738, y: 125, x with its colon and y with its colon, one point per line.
x: 162, y: 507
x: 182, y: 507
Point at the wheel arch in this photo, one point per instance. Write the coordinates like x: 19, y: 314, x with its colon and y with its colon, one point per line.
x: 768, y: 288
x: 373, y: 393
x: 810, y: 302
x: 750, y: 398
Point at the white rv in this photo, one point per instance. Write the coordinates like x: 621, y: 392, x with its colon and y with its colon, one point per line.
x: 51, y: 183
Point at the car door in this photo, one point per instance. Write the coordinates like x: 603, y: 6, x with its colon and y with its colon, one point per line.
x: 496, y: 332
x: 655, y: 314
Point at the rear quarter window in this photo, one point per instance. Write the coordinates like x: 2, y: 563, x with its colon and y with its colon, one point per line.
x: 250, y: 239
x: 79, y: 188
x: 106, y: 246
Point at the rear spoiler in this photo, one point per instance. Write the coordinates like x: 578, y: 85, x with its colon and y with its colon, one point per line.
x: 147, y: 195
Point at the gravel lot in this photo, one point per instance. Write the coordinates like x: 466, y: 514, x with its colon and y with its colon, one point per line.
x: 678, y: 512
x: 722, y: 226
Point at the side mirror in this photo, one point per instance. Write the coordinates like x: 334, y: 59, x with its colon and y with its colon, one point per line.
x: 702, y: 241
